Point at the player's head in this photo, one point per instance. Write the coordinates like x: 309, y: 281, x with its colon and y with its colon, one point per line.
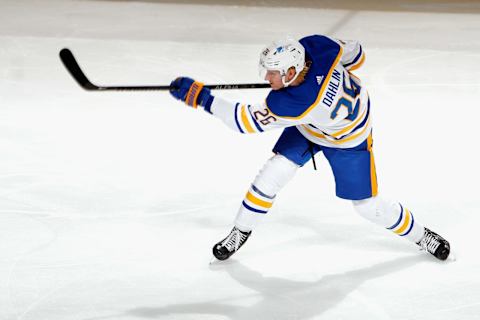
x: 282, y: 60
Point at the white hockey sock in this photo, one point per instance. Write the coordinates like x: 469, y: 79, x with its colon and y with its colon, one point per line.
x: 274, y: 175
x: 390, y: 215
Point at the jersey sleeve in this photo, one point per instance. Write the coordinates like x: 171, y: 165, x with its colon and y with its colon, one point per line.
x: 245, y: 118
x: 353, y: 55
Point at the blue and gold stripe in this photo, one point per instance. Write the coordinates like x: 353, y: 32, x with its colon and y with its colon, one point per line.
x: 257, y: 201
x: 244, y: 120
x: 404, y: 224
x: 236, y: 118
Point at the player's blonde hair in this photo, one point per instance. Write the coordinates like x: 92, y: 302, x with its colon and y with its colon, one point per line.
x: 303, y: 73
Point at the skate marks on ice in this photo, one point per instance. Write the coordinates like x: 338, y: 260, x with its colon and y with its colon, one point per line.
x: 280, y: 298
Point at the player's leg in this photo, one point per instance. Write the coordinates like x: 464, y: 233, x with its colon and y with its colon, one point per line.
x: 292, y: 151
x: 401, y: 221
x: 356, y: 180
x: 390, y: 215
x: 274, y: 175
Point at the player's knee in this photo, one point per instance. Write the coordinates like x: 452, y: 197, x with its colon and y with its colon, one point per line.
x: 367, y: 208
x: 377, y: 210
x: 275, y: 174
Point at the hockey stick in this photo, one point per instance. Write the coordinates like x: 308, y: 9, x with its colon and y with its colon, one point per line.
x: 72, y: 66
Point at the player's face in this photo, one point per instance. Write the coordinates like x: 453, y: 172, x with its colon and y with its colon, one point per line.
x: 275, y: 79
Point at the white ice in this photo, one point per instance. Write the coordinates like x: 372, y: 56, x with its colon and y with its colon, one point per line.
x: 110, y: 202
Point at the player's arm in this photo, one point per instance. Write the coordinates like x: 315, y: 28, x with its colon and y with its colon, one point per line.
x: 245, y: 118
x: 353, y: 55
x: 242, y: 118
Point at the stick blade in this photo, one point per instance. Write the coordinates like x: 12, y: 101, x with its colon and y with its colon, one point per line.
x: 74, y: 69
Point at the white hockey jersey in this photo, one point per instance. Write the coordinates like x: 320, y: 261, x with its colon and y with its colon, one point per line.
x: 330, y: 107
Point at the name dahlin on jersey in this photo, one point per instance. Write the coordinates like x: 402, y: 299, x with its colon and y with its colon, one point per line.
x: 332, y: 88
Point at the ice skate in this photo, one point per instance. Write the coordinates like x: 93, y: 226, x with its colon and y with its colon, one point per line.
x: 228, y: 246
x: 435, y: 244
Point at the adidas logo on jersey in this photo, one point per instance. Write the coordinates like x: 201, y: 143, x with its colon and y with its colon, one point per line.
x: 319, y: 80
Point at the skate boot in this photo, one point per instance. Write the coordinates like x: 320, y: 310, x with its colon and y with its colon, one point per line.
x: 228, y: 246
x: 435, y: 244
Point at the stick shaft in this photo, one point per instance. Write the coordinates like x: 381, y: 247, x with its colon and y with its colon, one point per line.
x: 76, y: 72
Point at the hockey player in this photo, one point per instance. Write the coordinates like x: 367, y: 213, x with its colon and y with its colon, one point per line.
x: 322, y: 107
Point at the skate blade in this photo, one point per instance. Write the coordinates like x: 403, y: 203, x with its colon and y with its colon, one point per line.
x: 213, y: 261
x: 452, y: 257
x: 216, y: 263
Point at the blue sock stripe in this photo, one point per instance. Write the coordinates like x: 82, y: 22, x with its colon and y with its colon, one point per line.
x: 399, y: 219
x: 261, y: 193
x: 252, y: 209
x: 236, y: 118
x: 411, y: 226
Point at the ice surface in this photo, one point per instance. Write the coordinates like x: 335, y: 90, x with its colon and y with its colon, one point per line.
x: 110, y: 202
